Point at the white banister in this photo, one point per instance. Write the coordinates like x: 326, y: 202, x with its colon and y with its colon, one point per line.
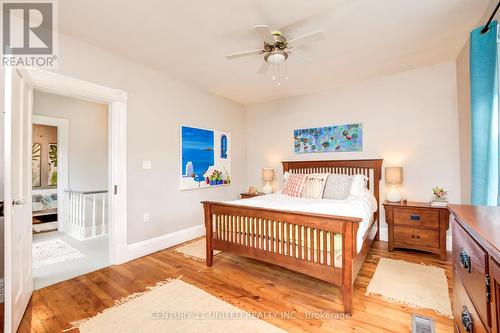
x: 81, y: 226
x: 93, y: 217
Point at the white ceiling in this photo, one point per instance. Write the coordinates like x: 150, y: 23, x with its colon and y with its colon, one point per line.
x: 190, y: 38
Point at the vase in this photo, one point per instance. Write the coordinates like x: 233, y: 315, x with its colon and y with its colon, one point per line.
x: 435, y: 198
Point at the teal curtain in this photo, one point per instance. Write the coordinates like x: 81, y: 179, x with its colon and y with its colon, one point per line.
x: 484, y: 113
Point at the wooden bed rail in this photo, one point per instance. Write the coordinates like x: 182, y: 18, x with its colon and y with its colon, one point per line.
x: 302, y: 242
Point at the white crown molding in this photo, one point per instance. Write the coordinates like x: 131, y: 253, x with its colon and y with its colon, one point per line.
x: 143, y: 248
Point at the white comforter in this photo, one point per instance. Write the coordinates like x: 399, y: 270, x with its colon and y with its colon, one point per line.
x: 362, y: 206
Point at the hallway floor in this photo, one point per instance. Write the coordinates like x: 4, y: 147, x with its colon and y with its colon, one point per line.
x: 96, y: 252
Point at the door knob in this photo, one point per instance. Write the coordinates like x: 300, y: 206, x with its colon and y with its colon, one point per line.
x: 17, y: 202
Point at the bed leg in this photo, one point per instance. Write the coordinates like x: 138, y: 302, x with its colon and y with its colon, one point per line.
x: 348, y: 243
x: 208, y: 234
x: 210, y: 255
x: 347, y: 298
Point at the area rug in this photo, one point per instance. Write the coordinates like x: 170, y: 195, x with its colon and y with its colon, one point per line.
x: 53, y: 251
x: 418, y: 286
x: 174, y: 306
x: 195, y: 250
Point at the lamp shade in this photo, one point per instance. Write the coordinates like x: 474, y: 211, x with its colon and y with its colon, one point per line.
x: 267, y: 174
x: 394, y: 175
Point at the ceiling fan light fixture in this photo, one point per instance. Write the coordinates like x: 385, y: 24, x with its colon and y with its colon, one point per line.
x: 276, y: 57
x: 276, y: 49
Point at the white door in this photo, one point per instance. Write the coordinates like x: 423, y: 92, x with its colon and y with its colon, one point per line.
x: 18, y: 95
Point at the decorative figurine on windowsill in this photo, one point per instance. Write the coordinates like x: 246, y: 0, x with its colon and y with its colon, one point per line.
x: 439, y: 197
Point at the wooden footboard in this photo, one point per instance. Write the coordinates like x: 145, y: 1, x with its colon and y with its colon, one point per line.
x: 302, y: 242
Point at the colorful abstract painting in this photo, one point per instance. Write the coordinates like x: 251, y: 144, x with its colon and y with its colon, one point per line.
x: 205, y: 158
x: 340, y: 138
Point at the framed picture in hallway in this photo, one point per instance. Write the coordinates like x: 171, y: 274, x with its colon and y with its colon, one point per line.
x: 36, y: 165
x: 205, y: 159
x: 52, y: 158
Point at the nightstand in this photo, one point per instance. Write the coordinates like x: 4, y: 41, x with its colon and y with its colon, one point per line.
x: 247, y: 195
x: 418, y: 226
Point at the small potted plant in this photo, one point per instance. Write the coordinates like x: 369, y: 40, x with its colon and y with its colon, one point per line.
x: 439, y: 197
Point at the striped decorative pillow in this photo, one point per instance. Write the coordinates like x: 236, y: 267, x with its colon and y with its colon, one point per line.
x: 294, y: 185
x: 315, y: 184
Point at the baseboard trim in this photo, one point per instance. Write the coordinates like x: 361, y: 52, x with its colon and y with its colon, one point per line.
x: 143, y: 248
x: 384, y: 234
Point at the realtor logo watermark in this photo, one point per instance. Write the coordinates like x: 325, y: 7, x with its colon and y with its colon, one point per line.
x: 29, y: 33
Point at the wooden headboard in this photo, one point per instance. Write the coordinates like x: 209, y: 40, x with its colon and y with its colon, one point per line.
x: 370, y: 168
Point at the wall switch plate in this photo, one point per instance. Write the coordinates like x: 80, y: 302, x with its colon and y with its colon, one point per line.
x: 146, y: 165
x: 145, y: 217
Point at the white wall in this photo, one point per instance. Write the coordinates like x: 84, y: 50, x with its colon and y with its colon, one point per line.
x: 157, y: 105
x: 88, y: 138
x: 409, y: 119
x: 464, y: 122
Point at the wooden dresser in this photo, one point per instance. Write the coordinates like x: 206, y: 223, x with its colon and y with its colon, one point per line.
x: 476, y: 269
x: 418, y: 226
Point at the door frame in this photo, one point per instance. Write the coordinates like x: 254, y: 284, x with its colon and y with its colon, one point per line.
x: 117, y: 146
x: 62, y: 126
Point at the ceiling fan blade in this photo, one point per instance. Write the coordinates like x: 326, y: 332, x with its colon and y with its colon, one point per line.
x: 242, y: 54
x: 298, y: 55
x: 265, y: 33
x: 263, y: 68
x: 313, y: 36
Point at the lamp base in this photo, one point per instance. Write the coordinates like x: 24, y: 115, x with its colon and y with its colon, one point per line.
x: 268, y: 189
x: 393, y: 195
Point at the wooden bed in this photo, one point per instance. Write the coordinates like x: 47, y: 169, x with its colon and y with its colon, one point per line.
x: 296, y: 240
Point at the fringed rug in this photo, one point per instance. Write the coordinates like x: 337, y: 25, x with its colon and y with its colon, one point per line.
x: 53, y: 251
x: 418, y: 286
x: 195, y: 250
x: 174, y: 306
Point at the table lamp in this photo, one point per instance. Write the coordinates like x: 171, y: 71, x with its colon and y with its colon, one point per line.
x: 267, y: 177
x: 394, y: 177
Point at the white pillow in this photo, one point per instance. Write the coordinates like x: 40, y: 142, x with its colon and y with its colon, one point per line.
x: 358, y: 185
x: 315, y: 184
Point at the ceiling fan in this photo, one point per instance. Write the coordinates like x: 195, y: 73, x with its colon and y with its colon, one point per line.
x: 277, y: 49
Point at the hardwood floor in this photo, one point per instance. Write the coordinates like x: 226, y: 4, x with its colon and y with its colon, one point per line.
x: 245, y: 283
